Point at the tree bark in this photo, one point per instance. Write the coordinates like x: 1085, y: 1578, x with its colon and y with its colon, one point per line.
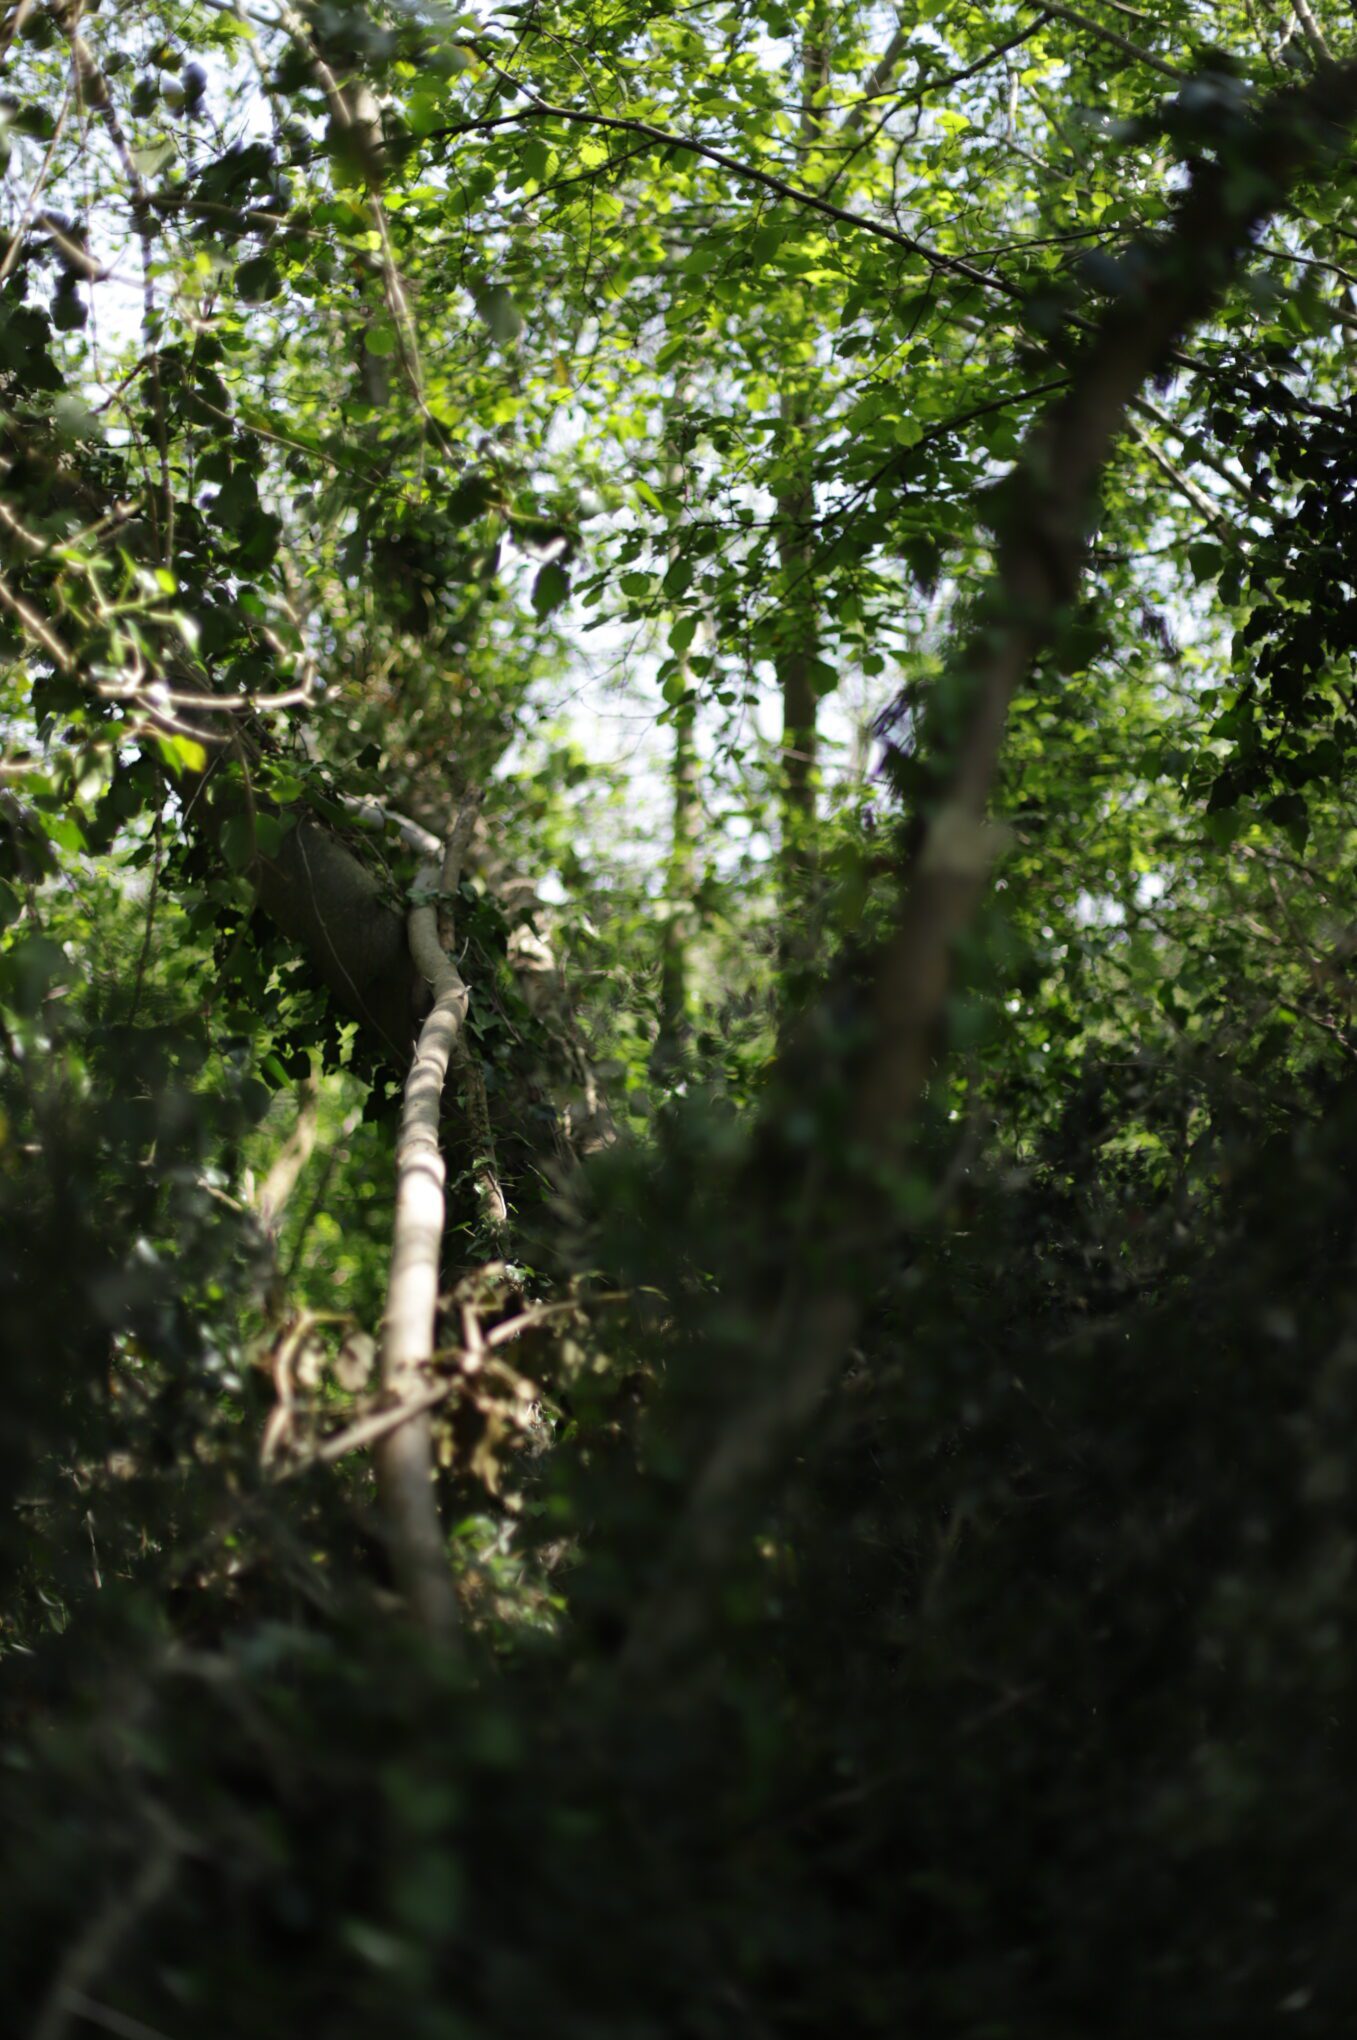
x: 798, y: 652
x: 405, y: 1457
x: 672, y: 1035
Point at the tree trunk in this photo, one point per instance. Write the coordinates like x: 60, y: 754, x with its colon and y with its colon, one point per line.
x: 672, y: 1036
x: 818, y: 1213
x: 798, y: 651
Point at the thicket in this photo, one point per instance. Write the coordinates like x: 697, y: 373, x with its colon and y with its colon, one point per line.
x: 703, y: 1385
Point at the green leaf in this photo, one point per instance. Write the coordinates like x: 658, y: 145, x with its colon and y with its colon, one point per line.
x: 257, y: 280
x: 269, y: 831
x: 154, y: 157
x: 550, y: 589
x: 30, y: 969
x: 496, y: 306
x: 237, y: 843
x: 182, y: 754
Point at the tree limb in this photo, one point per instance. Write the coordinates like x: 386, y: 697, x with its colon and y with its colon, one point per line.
x: 1111, y: 37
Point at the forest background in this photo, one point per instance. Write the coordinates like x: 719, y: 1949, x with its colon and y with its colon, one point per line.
x: 678, y: 1322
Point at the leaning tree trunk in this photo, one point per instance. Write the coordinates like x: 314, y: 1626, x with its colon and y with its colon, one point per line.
x: 818, y: 1210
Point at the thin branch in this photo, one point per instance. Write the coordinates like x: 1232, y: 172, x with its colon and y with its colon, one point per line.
x: 292, y: 1157
x: 923, y: 87
x: 1111, y: 37
x: 1185, y: 485
x: 1187, y: 439
x: 109, y: 2020
x: 1307, y: 261
x: 374, y: 814
x: 14, y: 25
x: 879, y: 79
x: 126, y: 1907
x: 379, y: 1424
x: 151, y: 900
x: 30, y: 204
x: 39, y: 631
x: 542, y: 109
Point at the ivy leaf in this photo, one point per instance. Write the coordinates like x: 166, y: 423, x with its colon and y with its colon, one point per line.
x: 269, y: 831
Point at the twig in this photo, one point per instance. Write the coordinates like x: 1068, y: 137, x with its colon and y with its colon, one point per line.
x: 292, y: 1157
x: 1187, y: 439
x: 120, y: 2024
x: 29, y: 206
x: 36, y: 628
x: 370, y: 1430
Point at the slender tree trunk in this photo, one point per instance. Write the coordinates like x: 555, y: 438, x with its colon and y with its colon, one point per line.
x: 672, y: 1040
x: 800, y: 648
x: 798, y: 653
x: 672, y: 1036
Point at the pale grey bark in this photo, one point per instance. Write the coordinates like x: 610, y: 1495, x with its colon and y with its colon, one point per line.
x: 405, y: 1458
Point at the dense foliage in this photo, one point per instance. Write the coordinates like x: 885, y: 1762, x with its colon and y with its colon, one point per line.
x: 772, y: 587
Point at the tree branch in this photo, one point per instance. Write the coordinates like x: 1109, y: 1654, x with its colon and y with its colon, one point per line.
x: 1111, y: 37
x: 543, y: 109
